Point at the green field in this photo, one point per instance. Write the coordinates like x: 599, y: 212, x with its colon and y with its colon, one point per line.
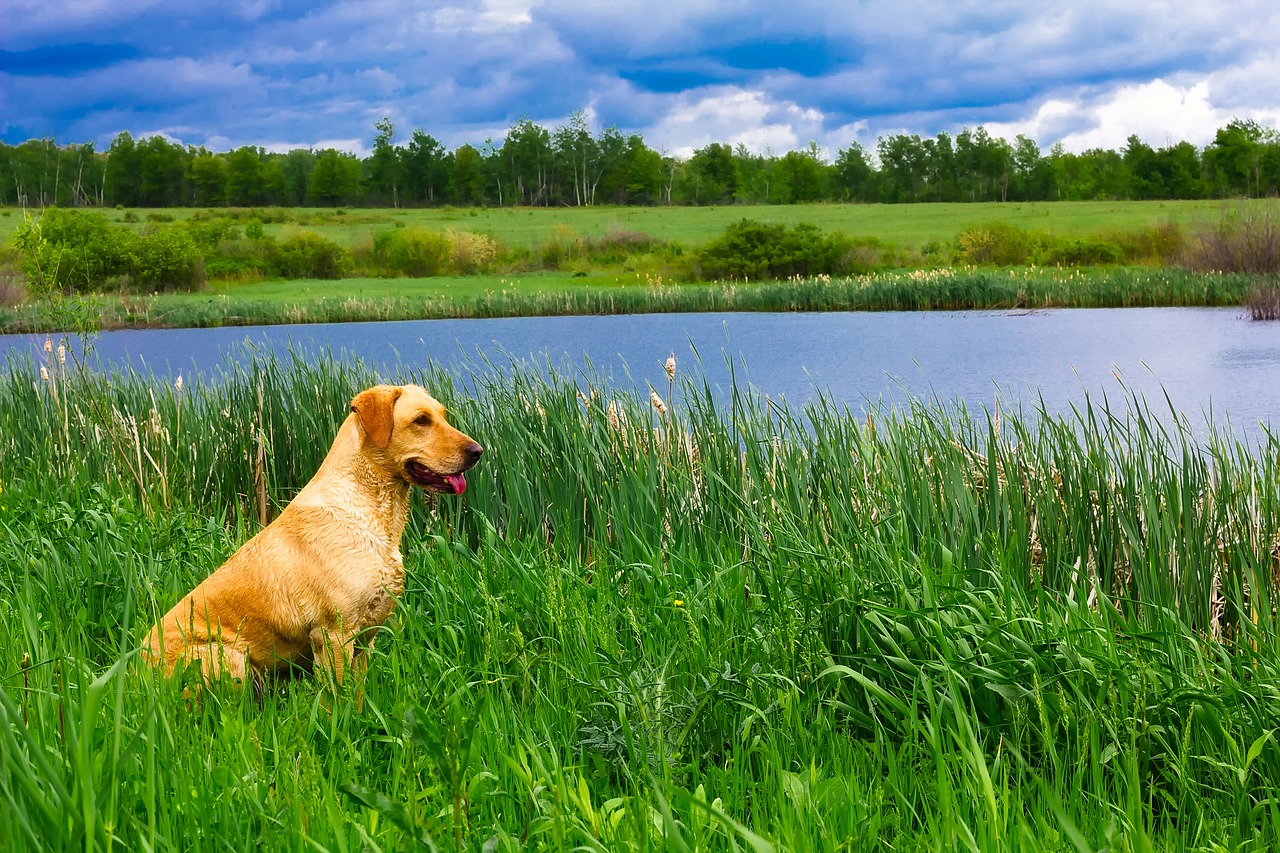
x: 770, y: 630
x: 902, y: 224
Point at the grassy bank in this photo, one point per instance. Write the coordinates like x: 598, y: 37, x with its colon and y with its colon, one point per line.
x: 326, y: 301
x: 203, y: 268
x: 778, y: 629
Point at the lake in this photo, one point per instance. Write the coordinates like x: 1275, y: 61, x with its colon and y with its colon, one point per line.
x: 1208, y: 361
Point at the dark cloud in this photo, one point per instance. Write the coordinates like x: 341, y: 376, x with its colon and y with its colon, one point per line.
x: 278, y: 71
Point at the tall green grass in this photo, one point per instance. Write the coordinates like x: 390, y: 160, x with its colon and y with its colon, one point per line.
x: 362, y: 300
x: 733, y: 626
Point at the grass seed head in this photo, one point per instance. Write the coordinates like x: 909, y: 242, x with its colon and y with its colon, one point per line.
x: 656, y: 402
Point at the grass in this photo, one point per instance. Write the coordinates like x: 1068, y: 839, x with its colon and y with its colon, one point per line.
x: 754, y: 628
x: 900, y: 224
x: 316, y: 301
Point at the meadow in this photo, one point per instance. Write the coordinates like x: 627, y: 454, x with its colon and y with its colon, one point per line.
x: 526, y: 227
x: 704, y: 628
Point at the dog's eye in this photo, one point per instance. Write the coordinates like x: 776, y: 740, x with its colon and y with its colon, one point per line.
x: 423, y: 420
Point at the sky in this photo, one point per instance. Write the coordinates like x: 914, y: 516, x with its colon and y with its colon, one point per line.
x: 772, y: 75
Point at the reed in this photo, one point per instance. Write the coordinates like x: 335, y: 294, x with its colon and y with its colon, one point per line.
x: 733, y: 624
x: 946, y: 289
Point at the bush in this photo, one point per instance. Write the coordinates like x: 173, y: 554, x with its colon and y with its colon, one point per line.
x: 619, y: 244
x: 750, y: 249
x: 1244, y: 240
x: 560, y: 247
x: 305, y: 254
x: 1157, y: 244
x: 166, y: 259
x: 73, y: 250
x: 413, y: 251
x: 1263, y: 301
x: 997, y: 244
x: 240, y: 259
x: 1081, y: 251
x: 209, y: 233
x: 76, y: 250
x: 470, y: 252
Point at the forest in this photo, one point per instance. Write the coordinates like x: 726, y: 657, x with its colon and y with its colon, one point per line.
x: 570, y: 165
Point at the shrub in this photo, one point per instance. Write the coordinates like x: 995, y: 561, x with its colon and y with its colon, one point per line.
x: 76, y: 250
x: 470, y: 252
x: 749, y: 249
x: 412, y: 251
x: 560, y: 247
x: 1160, y: 244
x: 1080, y: 251
x: 73, y: 250
x: 863, y: 255
x: 1263, y: 301
x: 1243, y: 241
x: 240, y: 259
x: 619, y: 244
x: 159, y: 217
x: 166, y: 259
x: 997, y: 244
x: 305, y: 254
x: 209, y: 233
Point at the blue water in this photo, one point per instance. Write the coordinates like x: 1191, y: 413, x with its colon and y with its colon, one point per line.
x: 1210, y: 362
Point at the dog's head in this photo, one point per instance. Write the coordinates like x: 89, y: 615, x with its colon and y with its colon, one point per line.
x: 405, y: 430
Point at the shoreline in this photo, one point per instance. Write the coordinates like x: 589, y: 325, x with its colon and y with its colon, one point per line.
x: 486, y: 297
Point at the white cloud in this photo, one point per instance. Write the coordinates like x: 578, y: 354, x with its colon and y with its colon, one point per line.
x: 735, y: 116
x: 1159, y: 112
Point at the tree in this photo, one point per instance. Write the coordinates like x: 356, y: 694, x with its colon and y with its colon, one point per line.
x: 296, y: 167
x: 122, y: 180
x: 426, y: 167
x: 854, y: 175
x: 1033, y: 177
x: 644, y: 170
x: 527, y: 159
x: 902, y: 167
x: 1234, y: 158
x: 1145, y: 181
x: 579, y: 154
x: 805, y: 175
x: 1181, y: 171
x: 386, y: 166
x: 335, y: 179
x: 161, y: 173
x: 710, y: 176
x: 244, y: 176
x: 209, y: 180
x: 467, y: 181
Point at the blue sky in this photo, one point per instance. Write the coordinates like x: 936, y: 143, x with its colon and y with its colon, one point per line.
x: 770, y: 74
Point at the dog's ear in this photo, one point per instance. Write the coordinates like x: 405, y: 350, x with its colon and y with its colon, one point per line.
x: 375, y: 408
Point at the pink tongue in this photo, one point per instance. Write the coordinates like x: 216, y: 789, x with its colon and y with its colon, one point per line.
x: 458, y: 482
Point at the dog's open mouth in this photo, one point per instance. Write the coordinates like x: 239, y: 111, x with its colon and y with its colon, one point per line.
x: 450, y: 484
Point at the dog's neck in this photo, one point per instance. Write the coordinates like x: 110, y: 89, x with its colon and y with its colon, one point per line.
x: 349, y: 481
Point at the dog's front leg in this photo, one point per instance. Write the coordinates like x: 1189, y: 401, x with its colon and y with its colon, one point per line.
x: 332, y: 650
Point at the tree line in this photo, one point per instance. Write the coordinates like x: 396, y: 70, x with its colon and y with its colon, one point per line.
x: 570, y: 165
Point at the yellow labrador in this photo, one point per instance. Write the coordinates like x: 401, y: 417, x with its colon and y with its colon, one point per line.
x: 319, y: 580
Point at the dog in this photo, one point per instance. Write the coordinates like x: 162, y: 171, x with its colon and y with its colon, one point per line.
x: 311, y: 589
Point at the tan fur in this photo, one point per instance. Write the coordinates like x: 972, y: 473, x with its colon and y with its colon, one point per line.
x: 319, y: 580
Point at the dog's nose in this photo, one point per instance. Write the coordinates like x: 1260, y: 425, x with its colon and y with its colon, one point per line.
x: 473, y: 452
